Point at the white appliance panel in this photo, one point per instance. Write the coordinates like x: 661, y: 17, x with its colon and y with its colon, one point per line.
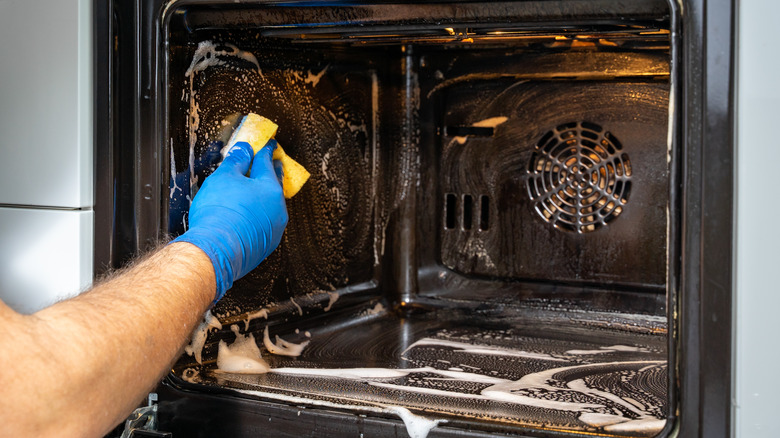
x: 46, y: 103
x: 46, y: 256
x: 757, y: 260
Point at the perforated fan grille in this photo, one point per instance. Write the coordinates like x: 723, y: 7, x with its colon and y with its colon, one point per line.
x: 578, y: 177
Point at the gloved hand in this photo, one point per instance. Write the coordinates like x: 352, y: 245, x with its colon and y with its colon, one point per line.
x: 237, y: 220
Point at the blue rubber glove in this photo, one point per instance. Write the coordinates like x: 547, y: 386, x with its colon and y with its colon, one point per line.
x: 237, y: 220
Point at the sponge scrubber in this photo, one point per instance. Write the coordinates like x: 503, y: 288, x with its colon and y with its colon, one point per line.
x: 257, y: 131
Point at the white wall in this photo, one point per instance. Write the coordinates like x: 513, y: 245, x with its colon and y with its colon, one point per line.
x: 46, y: 166
x: 757, y: 304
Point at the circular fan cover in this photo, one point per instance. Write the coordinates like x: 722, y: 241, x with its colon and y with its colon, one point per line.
x: 578, y: 177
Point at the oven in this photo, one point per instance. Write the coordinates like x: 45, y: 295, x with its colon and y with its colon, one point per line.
x: 508, y: 229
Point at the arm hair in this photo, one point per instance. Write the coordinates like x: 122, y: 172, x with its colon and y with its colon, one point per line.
x: 80, y: 366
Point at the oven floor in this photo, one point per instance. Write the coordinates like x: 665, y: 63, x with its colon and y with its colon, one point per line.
x: 543, y: 374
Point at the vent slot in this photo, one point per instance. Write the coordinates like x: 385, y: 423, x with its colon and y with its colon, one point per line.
x: 484, y: 213
x: 578, y: 177
x: 450, y: 210
x: 466, y: 212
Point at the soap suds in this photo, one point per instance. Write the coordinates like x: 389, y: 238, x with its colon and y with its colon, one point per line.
x: 208, y: 54
x: 314, y: 79
x: 483, y: 349
x: 514, y: 392
x: 190, y: 375
x: 243, y: 356
x: 548, y: 389
x: 262, y: 313
x: 282, y: 347
x: 416, y: 426
x: 300, y: 311
x: 645, y: 424
x: 610, y: 349
x: 174, y: 187
x: 591, y: 407
x: 353, y: 373
x: 200, y: 334
x: 332, y: 298
x: 376, y: 310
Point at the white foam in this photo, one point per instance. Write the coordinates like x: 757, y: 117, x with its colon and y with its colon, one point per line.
x: 376, y: 310
x: 587, y: 352
x: 324, y: 165
x: 416, y: 426
x: 332, y: 298
x: 193, y: 122
x: 300, y: 311
x: 629, y: 348
x: 207, y: 55
x: 314, y: 79
x: 357, y: 128
x: 580, y: 386
x: 596, y: 419
x: 198, y: 339
x: 353, y: 373
x: 483, y: 349
x: 508, y: 392
x: 243, y: 356
x: 379, y: 247
x: 390, y: 373
x: 502, y: 390
x: 262, y: 313
x: 173, y: 174
x: 294, y: 74
x: 190, y: 375
x: 282, y: 347
x: 458, y: 374
x: 610, y: 349
x: 647, y: 424
x: 502, y: 393
x: 428, y: 391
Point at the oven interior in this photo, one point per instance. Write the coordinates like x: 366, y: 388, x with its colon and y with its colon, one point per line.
x: 483, y: 244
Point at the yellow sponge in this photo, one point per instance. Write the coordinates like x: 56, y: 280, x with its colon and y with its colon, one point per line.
x: 257, y: 130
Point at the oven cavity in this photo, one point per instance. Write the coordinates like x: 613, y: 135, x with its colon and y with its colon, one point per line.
x: 485, y: 236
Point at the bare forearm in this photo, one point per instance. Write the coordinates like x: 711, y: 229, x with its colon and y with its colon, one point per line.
x: 101, y: 352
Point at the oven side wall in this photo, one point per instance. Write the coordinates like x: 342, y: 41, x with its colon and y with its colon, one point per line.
x: 703, y: 323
